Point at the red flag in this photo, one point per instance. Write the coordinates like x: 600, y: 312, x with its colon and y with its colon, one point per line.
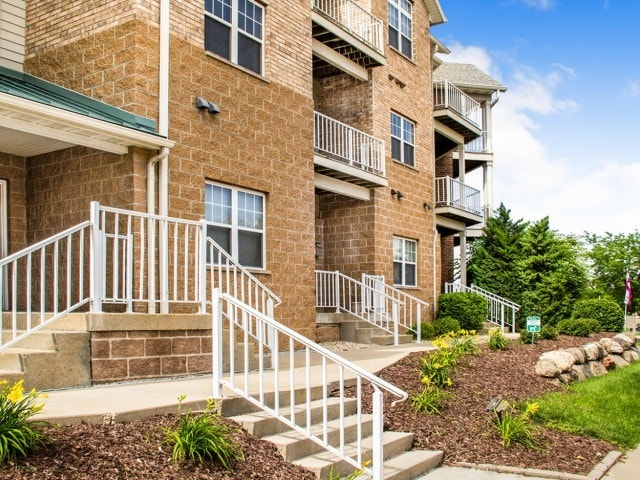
x: 628, y: 293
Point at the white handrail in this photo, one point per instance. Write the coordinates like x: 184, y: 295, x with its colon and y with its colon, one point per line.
x: 355, y: 19
x: 453, y: 193
x: 447, y: 95
x: 348, y: 145
x: 46, y: 281
x: 339, y: 291
x: 312, y: 360
x: 410, y: 317
x: 500, y: 309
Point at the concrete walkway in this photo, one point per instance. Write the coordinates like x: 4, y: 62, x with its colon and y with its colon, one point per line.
x: 128, y: 401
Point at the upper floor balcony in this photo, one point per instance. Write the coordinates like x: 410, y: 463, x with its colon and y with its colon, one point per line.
x: 458, y: 202
x: 347, y: 160
x: 457, y: 110
x: 346, y: 38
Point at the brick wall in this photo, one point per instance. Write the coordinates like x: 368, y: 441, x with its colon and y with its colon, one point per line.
x: 446, y: 247
x: 444, y: 165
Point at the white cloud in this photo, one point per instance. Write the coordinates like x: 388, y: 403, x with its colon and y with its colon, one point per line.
x: 633, y: 88
x: 539, y: 4
x: 534, y: 182
x: 477, y: 56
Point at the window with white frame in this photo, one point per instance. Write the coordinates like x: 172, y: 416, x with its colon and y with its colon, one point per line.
x: 405, y: 262
x: 233, y: 29
x: 402, y: 139
x: 400, y: 36
x: 235, y: 221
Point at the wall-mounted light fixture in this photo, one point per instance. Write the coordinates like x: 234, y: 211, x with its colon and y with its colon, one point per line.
x: 397, y: 193
x: 201, y: 103
x: 427, y: 206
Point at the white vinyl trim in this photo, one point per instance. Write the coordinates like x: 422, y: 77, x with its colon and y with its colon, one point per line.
x: 4, y: 232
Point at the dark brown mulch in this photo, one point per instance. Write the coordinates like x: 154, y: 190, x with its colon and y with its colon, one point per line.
x: 464, y: 431
x: 134, y: 450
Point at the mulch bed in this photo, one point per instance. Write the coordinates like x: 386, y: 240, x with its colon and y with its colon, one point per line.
x: 464, y: 432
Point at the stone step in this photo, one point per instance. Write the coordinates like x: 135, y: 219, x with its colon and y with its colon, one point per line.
x: 410, y: 465
x: 387, y: 339
x: 325, y: 463
x: 293, y: 445
x: 261, y: 424
x: 11, y: 359
x: 40, y: 340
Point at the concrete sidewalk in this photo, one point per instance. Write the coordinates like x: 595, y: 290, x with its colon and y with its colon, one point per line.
x: 128, y: 401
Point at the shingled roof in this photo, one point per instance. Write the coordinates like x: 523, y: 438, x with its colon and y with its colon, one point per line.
x: 465, y: 75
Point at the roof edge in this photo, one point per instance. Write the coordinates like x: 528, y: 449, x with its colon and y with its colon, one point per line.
x: 436, y: 14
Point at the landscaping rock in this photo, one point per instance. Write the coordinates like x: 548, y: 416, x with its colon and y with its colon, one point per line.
x: 562, y: 359
x: 547, y: 368
x: 578, y: 355
x: 591, y: 351
x: 611, y: 346
x: 581, y: 372
x: 630, y: 356
x: 608, y: 363
x: 597, y: 369
x: 618, y: 361
x: 625, y: 341
x: 567, y: 377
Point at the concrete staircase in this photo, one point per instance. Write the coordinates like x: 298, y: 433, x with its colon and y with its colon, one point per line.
x: 400, y: 462
x: 359, y: 331
x: 57, y: 357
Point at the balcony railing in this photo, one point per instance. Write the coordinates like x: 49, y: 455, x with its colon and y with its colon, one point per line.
x: 355, y: 19
x: 348, y: 145
x: 478, y: 145
x: 447, y: 95
x: 452, y: 193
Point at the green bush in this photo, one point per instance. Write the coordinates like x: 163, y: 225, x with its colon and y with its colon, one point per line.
x: 18, y: 434
x: 518, y: 428
x: 437, y: 367
x: 497, y: 339
x: 548, y: 332
x: 201, y: 436
x: 468, y: 308
x: 576, y: 327
x: 427, y: 331
x: 525, y: 337
x: 604, y: 310
x: 444, y: 325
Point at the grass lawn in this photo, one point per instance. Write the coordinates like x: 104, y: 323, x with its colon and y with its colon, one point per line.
x: 606, y: 407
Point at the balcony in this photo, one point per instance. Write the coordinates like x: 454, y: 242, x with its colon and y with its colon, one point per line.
x: 458, y: 202
x: 457, y: 111
x: 346, y: 158
x: 346, y: 38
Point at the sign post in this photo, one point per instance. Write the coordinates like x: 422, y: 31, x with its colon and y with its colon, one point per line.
x: 533, y: 326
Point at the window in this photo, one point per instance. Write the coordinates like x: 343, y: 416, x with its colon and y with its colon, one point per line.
x: 402, y: 140
x: 404, y: 262
x: 236, y: 222
x: 233, y: 29
x: 400, y: 36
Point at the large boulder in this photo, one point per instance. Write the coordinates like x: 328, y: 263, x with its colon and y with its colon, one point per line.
x: 547, y: 368
x: 581, y: 372
x: 562, y: 359
x: 625, y: 341
x: 591, y: 351
x: 578, y: 355
x: 611, y: 346
x: 630, y: 356
x: 617, y: 360
x: 597, y: 369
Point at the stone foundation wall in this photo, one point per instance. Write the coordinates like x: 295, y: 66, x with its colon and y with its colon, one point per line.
x: 591, y: 360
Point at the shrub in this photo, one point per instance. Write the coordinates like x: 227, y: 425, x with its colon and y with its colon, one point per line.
x: 576, y: 327
x: 444, y: 325
x: 548, y: 332
x: 436, y: 367
x: 427, y: 331
x: 429, y: 400
x: 526, y: 337
x: 201, y: 436
x: 604, y: 310
x: 468, y: 308
x: 497, y: 339
x: 19, y: 435
x: 460, y: 343
x: 514, y: 428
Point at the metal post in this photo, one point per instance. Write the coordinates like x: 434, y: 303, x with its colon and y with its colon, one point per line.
x: 395, y: 315
x: 336, y: 288
x: 216, y: 341
x: 378, y: 423
x: 95, y: 275
x: 202, y: 268
x: 419, y: 322
x: 271, y: 335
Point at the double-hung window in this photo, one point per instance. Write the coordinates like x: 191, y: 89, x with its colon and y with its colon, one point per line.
x: 235, y: 221
x: 400, y: 36
x: 234, y: 29
x: 402, y: 140
x: 404, y: 262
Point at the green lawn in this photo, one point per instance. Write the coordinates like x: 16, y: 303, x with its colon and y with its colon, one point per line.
x: 606, y: 407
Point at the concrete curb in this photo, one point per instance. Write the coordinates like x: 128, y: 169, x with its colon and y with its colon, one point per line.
x: 596, y: 474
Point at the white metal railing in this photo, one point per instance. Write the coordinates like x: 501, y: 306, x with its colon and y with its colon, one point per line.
x: 346, y: 294
x: 478, y: 145
x: 355, y: 19
x: 348, y: 145
x: 44, y: 282
x: 447, y: 95
x: 453, y: 193
x: 501, y: 310
x: 307, y: 360
x: 410, y: 314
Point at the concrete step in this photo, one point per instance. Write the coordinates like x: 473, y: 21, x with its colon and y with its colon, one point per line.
x: 11, y: 359
x: 410, y: 465
x: 293, y: 445
x: 40, y: 340
x: 387, y: 339
x: 261, y: 424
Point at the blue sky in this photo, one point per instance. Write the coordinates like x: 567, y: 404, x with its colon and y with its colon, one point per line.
x: 566, y: 133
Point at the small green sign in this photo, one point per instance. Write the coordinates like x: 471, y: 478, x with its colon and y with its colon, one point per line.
x: 533, y: 324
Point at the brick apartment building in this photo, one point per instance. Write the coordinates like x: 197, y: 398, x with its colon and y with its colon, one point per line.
x: 303, y: 132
